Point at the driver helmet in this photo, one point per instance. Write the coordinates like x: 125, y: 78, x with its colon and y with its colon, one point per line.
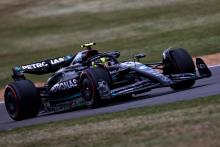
x: 103, y: 61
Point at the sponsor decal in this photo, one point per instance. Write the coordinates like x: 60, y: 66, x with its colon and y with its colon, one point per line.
x: 43, y: 63
x: 35, y: 65
x: 66, y: 105
x: 104, y: 90
x: 64, y: 85
x: 58, y: 60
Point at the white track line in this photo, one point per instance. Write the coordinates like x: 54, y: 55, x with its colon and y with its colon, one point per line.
x: 218, y: 65
x: 214, y: 66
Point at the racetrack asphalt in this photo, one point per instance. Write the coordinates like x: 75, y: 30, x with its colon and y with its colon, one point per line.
x: 202, y: 88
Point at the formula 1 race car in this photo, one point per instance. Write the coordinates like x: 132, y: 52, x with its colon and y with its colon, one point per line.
x: 89, y: 78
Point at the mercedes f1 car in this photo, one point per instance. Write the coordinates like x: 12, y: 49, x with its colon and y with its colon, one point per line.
x: 89, y: 78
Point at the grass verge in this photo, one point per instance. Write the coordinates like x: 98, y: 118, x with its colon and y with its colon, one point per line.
x: 35, y: 30
x: 185, y: 123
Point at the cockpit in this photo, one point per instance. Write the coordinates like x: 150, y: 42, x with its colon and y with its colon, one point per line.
x: 83, y: 56
x: 90, y: 57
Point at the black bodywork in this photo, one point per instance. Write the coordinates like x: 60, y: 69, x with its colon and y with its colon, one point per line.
x: 62, y: 89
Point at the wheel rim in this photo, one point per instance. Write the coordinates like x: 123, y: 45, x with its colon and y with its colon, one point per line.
x: 11, y: 104
x: 87, y: 90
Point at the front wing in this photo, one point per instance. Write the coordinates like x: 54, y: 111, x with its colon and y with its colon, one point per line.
x: 147, y: 85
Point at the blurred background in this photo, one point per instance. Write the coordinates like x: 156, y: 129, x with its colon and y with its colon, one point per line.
x: 32, y: 30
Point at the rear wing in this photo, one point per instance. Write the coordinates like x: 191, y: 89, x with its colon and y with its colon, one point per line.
x: 41, y: 67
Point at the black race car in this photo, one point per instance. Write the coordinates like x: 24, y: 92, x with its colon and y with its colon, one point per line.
x: 89, y: 78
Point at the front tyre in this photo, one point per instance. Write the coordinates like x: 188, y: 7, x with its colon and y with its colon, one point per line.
x: 179, y: 61
x: 22, y: 100
x: 89, y: 80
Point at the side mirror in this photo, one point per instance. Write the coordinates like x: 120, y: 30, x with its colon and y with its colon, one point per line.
x: 139, y: 56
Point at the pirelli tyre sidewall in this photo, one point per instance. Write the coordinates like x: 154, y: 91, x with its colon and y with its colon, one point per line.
x: 22, y: 100
x: 179, y: 61
x: 88, y: 85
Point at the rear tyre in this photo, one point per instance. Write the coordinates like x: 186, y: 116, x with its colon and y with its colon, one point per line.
x: 22, y: 100
x: 89, y: 83
x: 179, y: 61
